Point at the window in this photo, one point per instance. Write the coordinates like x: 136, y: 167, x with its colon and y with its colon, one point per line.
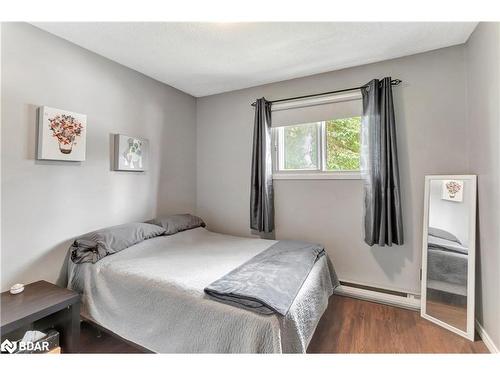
x: 300, y: 147
x: 323, y: 149
x: 318, y: 137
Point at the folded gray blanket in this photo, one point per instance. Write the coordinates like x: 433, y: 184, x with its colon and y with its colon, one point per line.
x: 269, y: 282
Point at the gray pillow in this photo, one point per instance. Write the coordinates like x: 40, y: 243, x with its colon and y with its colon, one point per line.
x: 444, y: 234
x: 178, y: 223
x: 94, y: 246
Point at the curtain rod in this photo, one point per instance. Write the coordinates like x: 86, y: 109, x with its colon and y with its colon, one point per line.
x: 394, y: 82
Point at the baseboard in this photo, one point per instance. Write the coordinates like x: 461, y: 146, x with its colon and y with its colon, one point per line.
x: 486, y: 338
x: 408, y: 302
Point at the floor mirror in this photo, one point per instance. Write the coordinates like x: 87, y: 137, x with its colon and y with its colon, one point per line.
x: 448, y: 253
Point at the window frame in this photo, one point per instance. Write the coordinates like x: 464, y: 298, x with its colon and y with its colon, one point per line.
x: 321, y: 173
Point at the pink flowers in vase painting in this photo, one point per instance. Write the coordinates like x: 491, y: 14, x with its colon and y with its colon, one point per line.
x: 453, y: 190
x: 61, y: 135
x: 65, y: 128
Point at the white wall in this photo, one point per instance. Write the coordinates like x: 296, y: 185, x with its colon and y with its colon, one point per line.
x: 45, y: 204
x: 483, y: 98
x: 431, y: 127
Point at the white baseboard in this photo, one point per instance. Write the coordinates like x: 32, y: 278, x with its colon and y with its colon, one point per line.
x: 409, y: 302
x: 486, y: 338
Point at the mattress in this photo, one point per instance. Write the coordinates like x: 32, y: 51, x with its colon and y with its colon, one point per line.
x: 152, y: 294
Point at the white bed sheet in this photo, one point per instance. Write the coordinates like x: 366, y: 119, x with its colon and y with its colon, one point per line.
x: 152, y: 294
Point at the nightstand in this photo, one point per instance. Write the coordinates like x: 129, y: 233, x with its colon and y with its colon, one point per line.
x: 40, y: 306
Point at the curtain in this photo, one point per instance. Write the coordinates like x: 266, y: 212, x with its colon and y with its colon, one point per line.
x: 262, y: 197
x: 383, y: 222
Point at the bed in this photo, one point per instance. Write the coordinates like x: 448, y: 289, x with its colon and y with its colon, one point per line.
x: 447, y: 262
x: 152, y: 294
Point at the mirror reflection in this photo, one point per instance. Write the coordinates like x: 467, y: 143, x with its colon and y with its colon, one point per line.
x: 448, y: 250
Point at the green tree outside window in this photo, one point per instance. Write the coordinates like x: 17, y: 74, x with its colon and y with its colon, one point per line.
x: 343, y: 144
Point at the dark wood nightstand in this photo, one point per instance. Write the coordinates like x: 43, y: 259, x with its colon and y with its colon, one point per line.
x: 40, y: 306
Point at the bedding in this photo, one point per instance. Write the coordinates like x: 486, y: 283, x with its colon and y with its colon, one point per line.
x: 444, y: 234
x: 269, y: 282
x: 93, y: 246
x: 153, y: 294
x: 446, y: 245
x: 178, y: 223
x: 447, y: 262
x: 447, y: 266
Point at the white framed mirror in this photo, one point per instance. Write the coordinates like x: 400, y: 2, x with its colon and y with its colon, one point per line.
x: 448, y: 252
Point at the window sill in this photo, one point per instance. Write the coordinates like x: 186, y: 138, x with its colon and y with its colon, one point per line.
x: 318, y: 176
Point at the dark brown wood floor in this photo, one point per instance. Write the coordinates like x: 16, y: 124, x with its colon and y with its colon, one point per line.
x: 348, y: 326
x: 354, y: 326
x: 94, y: 341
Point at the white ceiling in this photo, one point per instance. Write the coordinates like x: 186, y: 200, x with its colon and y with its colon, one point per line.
x: 208, y: 58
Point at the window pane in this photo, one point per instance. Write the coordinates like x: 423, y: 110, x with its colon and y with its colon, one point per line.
x: 301, y: 146
x: 343, y: 144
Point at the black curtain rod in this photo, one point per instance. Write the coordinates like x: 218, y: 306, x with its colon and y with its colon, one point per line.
x: 394, y: 82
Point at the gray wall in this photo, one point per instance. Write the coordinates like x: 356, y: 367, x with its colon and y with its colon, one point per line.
x: 483, y: 99
x: 45, y: 204
x: 431, y: 118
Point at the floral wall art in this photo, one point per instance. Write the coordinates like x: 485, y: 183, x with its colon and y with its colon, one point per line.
x: 453, y: 190
x: 61, y: 135
x: 131, y: 153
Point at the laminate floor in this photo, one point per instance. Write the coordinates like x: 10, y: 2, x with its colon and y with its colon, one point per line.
x: 354, y: 326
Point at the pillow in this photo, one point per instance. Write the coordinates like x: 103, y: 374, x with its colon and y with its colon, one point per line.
x: 178, y: 223
x: 441, y: 233
x: 94, y: 246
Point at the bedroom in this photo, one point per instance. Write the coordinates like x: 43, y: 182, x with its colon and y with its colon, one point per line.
x: 207, y: 187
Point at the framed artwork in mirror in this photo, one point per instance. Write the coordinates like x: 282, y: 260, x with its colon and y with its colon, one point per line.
x: 452, y: 190
x: 448, y: 253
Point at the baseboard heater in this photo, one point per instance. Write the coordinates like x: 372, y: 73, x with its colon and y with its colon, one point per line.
x: 380, y: 295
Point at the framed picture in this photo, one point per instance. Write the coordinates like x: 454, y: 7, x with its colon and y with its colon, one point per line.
x: 453, y: 190
x: 131, y: 153
x: 61, y: 134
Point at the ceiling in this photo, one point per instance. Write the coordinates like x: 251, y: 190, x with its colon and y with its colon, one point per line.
x: 209, y: 58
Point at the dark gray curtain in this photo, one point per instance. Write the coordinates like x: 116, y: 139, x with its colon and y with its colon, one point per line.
x: 262, y: 197
x: 379, y: 164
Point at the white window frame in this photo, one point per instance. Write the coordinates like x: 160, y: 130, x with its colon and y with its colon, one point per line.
x: 321, y: 173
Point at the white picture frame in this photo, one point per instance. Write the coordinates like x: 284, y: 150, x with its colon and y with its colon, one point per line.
x: 131, y: 153
x: 61, y: 135
x: 471, y: 260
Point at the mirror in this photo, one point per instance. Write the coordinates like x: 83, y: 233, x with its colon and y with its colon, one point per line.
x: 448, y: 252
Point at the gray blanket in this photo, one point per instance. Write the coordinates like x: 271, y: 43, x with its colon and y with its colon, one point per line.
x: 447, y: 266
x: 269, y: 282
